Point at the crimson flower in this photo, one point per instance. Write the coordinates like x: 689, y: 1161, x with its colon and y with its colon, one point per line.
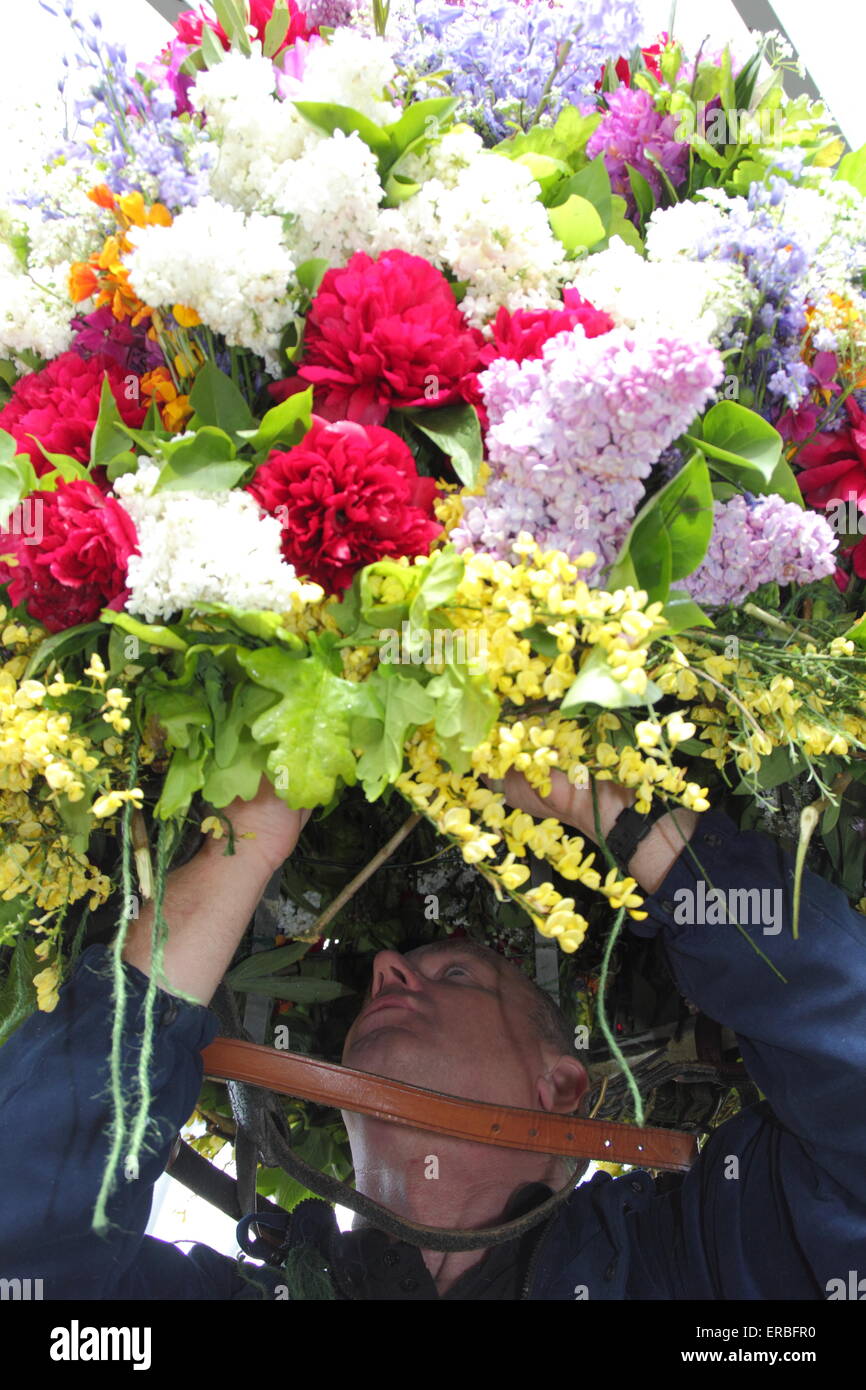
x: 71, y: 557
x: 834, y: 470
x: 522, y: 335
x: 189, y: 25
x: 60, y: 405
x: 651, y: 57
x: 384, y: 333
x: 346, y: 496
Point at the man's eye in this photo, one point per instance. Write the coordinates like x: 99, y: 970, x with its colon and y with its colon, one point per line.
x: 461, y: 970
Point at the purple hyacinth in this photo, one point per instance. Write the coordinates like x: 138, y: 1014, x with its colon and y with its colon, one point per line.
x: 573, y: 434
x: 510, y: 63
x: 769, y: 363
x: 763, y: 540
x: 634, y: 133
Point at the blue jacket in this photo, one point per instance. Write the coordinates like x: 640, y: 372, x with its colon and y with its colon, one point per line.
x: 774, y: 1208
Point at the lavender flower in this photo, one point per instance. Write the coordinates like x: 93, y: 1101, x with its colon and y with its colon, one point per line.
x: 634, y: 133
x: 770, y: 365
x: 513, y: 63
x: 144, y: 146
x: 756, y: 541
x: 573, y: 435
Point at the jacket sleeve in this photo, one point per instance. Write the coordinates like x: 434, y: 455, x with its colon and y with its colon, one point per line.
x: 788, y: 1214
x: 54, y: 1143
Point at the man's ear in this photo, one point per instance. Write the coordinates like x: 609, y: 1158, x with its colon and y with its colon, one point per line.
x: 561, y: 1088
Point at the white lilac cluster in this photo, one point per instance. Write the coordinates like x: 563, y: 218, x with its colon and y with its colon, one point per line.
x: 573, y: 434
x: 670, y: 296
x: 756, y: 541
x: 204, y: 547
x: 34, y: 309
x: 351, y: 69
x: 46, y: 222
x: 234, y: 270
x: 332, y: 193
x: 485, y: 222
x: 257, y: 133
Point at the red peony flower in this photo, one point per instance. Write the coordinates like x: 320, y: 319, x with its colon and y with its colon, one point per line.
x: 60, y: 404
x: 189, y: 25
x: 71, y: 555
x: 522, y: 335
x: 347, y: 495
x: 384, y: 333
x: 651, y: 58
x: 834, y: 470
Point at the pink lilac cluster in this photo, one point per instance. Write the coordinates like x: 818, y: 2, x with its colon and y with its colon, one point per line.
x: 634, y: 133
x: 761, y: 540
x: 574, y: 433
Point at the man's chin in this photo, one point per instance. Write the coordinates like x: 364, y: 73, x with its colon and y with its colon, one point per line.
x: 391, y: 1051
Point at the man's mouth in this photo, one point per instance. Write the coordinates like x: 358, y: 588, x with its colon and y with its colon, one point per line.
x: 390, y: 1001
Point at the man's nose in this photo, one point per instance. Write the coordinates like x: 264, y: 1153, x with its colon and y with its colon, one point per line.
x: 393, y: 971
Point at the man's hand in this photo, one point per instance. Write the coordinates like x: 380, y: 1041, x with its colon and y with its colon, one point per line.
x: 266, y: 825
x: 569, y: 804
x: 657, y: 852
x: 210, y: 900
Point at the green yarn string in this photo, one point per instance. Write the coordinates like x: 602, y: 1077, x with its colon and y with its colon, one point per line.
x: 118, y: 1123
x: 602, y: 980
x: 160, y: 932
x: 605, y: 1026
x: 307, y: 1277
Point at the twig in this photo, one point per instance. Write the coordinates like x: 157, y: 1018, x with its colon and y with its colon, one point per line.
x: 763, y: 616
x: 360, y: 879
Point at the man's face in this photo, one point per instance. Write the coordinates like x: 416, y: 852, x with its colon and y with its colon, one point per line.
x: 451, y: 1017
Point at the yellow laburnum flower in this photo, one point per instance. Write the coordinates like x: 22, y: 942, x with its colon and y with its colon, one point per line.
x: 96, y: 670
x: 678, y: 729
x: 47, y: 984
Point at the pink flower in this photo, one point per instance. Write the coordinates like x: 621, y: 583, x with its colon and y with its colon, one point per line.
x: 521, y: 336
x: 60, y: 405
x: 384, y: 334
x: 76, y: 565
x: 347, y: 495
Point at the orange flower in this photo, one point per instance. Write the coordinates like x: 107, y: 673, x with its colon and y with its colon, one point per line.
x: 174, y: 408
x: 83, y: 281
x: 102, y: 196
x: 186, y: 317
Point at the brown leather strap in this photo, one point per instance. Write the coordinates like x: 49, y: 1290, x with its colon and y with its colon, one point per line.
x: 529, y: 1130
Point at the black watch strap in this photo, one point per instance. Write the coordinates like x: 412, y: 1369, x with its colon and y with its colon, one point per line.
x: 629, y: 829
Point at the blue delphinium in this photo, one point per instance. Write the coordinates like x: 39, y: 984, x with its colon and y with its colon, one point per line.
x: 144, y: 146
x: 772, y: 374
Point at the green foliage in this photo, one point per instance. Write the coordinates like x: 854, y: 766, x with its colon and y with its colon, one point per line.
x: 456, y: 430
x: 670, y: 534
x: 308, y: 729
x: 742, y: 448
x: 595, y: 684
